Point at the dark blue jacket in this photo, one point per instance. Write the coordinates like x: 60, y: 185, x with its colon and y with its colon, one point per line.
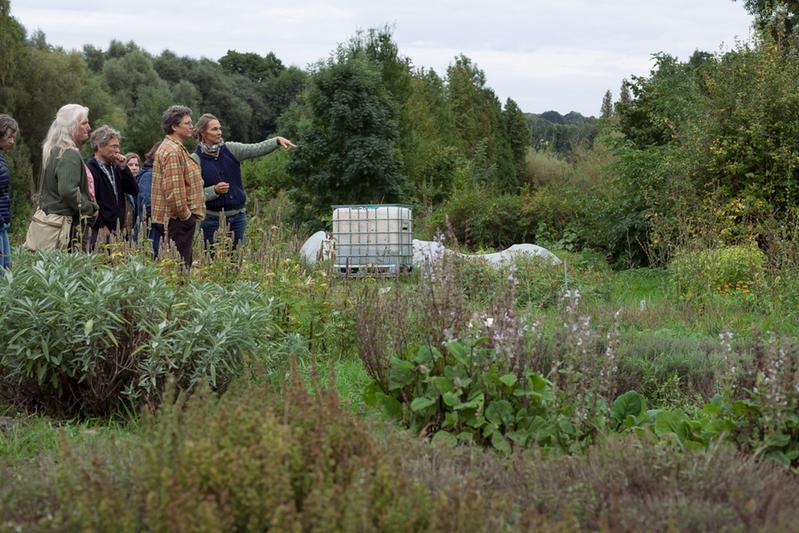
x: 223, y: 168
x: 5, y: 200
x: 143, y: 200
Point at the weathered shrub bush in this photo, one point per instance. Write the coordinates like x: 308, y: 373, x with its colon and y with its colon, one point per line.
x: 544, y: 168
x: 701, y: 273
x: 556, y: 215
x: 81, y: 338
x: 245, y: 461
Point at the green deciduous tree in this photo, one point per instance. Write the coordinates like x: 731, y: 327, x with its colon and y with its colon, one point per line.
x: 128, y: 74
x: 478, y: 116
x: 13, y: 57
x: 347, y: 151
x: 432, y: 157
x: 144, y: 120
x: 253, y: 66
x: 778, y: 19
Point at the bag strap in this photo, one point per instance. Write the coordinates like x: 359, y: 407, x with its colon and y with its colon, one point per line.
x: 37, y: 201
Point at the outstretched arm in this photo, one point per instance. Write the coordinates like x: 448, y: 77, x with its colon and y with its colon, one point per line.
x: 243, y: 151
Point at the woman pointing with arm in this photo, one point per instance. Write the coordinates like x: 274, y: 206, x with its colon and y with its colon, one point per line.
x: 221, y: 170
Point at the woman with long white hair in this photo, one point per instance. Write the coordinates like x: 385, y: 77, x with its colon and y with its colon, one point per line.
x: 67, y: 186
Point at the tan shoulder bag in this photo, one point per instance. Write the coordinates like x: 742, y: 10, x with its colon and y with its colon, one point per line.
x: 47, y: 232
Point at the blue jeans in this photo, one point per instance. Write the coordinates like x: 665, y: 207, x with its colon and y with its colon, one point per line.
x: 156, y: 233
x: 235, y: 224
x: 5, y: 249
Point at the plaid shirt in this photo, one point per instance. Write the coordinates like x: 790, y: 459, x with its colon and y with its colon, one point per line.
x: 177, y: 188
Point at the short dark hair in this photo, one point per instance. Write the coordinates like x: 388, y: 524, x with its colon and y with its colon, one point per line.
x: 7, y: 122
x: 173, y: 116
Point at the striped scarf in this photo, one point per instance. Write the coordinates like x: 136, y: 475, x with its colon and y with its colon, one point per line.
x: 211, y: 149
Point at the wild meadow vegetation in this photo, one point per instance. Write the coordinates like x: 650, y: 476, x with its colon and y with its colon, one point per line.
x: 648, y: 382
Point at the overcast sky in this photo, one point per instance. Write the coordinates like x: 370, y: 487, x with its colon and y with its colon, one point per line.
x: 560, y: 55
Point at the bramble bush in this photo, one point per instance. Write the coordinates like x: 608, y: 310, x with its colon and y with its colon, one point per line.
x: 81, y: 338
x: 479, y: 217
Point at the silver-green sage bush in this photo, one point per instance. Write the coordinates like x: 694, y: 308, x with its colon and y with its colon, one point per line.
x: 80, y: 338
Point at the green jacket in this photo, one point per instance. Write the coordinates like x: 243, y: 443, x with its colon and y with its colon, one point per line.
x: 64, y: 186
x: 241, y: 151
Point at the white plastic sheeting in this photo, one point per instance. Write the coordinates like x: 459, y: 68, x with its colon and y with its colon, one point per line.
x: 320, y: 246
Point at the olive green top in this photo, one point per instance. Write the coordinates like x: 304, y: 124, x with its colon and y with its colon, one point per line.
x: 65, y: 188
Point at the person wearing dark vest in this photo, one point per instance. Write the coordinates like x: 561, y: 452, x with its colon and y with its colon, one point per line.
x: 112, y: 181
x: 220, y: 162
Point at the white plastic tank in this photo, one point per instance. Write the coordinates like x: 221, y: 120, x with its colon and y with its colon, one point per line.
x: 373, y: 239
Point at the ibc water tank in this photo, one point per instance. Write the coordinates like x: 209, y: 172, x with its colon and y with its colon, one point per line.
x: 373, y: 239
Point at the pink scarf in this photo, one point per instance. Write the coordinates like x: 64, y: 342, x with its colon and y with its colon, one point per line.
x: 89, y: 183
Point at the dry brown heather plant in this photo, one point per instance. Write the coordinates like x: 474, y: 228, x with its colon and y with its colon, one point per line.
x: 621, y: 484
x: 439, y: 304
x: 251, y: 460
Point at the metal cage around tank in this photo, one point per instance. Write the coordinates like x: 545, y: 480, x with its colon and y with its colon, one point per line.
x: 373, y: 239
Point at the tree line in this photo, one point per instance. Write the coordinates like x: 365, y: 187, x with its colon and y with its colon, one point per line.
x: 371, y: 125
x: 704, y: 148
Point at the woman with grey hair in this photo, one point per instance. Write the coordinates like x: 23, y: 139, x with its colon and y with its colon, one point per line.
x: 67, y: 186
x: 8, y: 132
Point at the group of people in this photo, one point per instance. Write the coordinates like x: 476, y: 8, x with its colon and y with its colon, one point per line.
x: 170, y: 192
